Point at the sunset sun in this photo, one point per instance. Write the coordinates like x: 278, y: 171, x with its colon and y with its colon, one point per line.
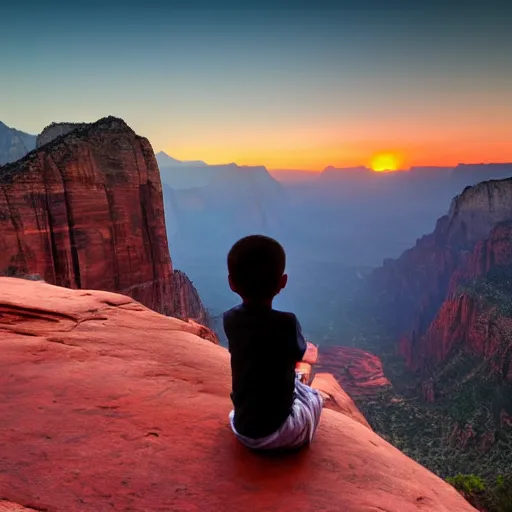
x: 384, y: 162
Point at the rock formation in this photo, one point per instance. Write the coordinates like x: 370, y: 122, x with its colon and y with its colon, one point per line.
x: 187, y: 303
x: 8, y: 506
x: 131, y: 414
x: 450, y: 299
x: 411, y: 289
x: 85, y: 210
x: 14, y: 144
x: 336, y: 398
x: 475, y: 321
x: 360, y: 373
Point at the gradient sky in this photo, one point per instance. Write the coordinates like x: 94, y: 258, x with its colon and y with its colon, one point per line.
x: 301, y: 84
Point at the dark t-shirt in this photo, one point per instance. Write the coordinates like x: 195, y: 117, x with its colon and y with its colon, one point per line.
x: 265, y: 345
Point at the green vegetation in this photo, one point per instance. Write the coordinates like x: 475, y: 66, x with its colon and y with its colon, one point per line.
x: 493, y: 290
x: 492, y: 495
x: 467, y: 484
x: 429, y: 434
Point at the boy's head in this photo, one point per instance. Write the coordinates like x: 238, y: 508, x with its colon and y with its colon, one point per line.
x: 256, y: 266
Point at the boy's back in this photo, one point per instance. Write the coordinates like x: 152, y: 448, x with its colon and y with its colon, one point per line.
x: 265, y: 345
x: 273, y: 409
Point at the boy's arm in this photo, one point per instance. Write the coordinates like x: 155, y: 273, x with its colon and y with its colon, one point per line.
x: 225, y: 325
x: 301, y: 342
x: 307, y: 352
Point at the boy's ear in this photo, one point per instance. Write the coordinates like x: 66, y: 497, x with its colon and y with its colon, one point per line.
x: 231, y: 284
x: 283, y: 281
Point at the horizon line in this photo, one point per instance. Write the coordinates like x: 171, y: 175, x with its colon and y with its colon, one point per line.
x: 335, y: 167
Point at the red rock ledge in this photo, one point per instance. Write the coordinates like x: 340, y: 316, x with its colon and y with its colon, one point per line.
x: 107, y: 405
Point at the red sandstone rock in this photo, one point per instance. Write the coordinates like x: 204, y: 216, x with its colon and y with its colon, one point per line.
x: 187, y: 303
x: 422, y: 288
x: 85, y: 211
x: 336, y: 399
x: 470, y: 340
x: 7, y: 506
x: 465, y: 323
x: 412, y: 288
x: 108, y: 405
x: 359, y: 373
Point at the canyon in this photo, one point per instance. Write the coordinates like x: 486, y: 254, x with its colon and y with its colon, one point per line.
x: 446, y: 305
x: 85, y: 210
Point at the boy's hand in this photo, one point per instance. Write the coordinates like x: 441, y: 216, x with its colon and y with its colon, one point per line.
x: 303, y: 370
x: 311, y: 354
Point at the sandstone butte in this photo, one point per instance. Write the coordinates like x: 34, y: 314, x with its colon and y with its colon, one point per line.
x: 85, y: 210
x: 108, y: 405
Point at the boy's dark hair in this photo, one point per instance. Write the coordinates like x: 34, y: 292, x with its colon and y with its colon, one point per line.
x: 256, y: 264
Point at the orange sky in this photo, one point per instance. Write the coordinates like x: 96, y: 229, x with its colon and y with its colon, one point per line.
x: 317, y: 158
x: 478, y: 134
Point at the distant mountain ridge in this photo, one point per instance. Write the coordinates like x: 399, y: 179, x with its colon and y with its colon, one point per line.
x: 479, y: 171
x: 197, y: 174
x: 55, y: 130
x: 14, y: 144
x: 165, y: 160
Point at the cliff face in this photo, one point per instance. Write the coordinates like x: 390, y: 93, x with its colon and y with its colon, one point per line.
x: 477, y: 301
x: 85, y: 211
x: 14, y: 144
x: 411, y: 289
x: 452, y: 300
x: 145, y: 405
x: 470, y: 339
x: 187, y: 303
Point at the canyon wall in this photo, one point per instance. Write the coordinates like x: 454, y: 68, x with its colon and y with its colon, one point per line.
x: 85, y: 210
x: 410, y: 290
x: 475, y: 306
x: 449, y: 304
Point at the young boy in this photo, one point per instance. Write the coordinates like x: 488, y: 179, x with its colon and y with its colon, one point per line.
x: 272, y: 408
